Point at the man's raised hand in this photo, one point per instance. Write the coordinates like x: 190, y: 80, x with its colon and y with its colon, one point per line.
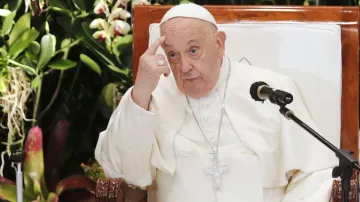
x: 151, y: 67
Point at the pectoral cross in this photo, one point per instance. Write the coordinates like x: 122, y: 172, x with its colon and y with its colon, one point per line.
x: 216, y: 171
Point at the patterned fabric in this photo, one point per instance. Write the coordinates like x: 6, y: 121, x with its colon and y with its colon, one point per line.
x: 116, y: 190
x: 337, y: 194
x: 112, y: 190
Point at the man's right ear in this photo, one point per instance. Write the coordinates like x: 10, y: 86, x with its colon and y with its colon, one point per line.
x: 220, y: 42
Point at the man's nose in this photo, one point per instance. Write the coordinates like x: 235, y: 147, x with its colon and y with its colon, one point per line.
x: 185, y: 65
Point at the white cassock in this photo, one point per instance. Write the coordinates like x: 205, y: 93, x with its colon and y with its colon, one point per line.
x: 260, y: 147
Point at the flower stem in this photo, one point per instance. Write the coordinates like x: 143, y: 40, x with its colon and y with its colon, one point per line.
x: 37, y: 94
x: 68, y: 46
x: 25, y: 67
x: 53, y: 98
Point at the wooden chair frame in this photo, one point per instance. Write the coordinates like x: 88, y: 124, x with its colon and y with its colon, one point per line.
x: 346, y: 17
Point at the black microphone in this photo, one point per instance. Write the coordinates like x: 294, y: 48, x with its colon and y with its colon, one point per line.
x: 260, y: 91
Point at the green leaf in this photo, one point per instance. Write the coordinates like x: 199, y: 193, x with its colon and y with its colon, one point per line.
x: 88, y: 32
x: 66, y: 23
x: 8, y: 23
x: 58, y: 3
x: 116, y: 69
x: 52, y: 197
x: 23, y: 41
x: 20, y: 26
x: 86, y: 5
x: 7, y: 190
x: 3, y: 52
x: 47, y: 44
x: 3, y: 88
x: 121, y: 43
x: 35, y: 83
x: 29, y: 60
x: 15, y: 4
x: 33, y: 48
x: 4, y: 12
x: 82, y: 30
x: 62, y: 64
x: 90, y: 63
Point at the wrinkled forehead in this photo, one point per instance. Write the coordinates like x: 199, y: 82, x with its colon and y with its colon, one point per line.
x: 183, y: 28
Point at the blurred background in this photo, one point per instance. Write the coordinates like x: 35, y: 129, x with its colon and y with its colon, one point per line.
x: 64, y: 65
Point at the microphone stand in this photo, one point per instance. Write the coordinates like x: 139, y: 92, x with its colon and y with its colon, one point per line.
x: 346, y: 161
x: 17, y: 158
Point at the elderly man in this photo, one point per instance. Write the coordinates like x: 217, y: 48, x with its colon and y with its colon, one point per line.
x: 190, y: 127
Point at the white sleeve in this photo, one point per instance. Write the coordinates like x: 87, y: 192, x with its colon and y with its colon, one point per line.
x: 310, y: 187
x: 124, y: 149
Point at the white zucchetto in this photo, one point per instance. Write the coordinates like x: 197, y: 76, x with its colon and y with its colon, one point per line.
x: 189, y: 10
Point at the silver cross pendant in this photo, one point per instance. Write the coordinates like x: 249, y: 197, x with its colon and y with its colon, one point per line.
x: 216, y: 171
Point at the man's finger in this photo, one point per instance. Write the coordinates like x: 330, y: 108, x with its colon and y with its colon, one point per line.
x: 164, y: 69
x: 153, y: 48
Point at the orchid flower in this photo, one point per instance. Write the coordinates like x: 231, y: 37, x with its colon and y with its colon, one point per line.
x: 119, y: 27
x: 103, y: 35
x: 140, y: 2
x: 27, y: 5
x: 102, y: 7
x: 121, y: 3
x: 118, y: 13
x: 99, y: 24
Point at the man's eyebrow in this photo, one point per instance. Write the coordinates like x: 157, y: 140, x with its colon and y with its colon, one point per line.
x: 191, y: 41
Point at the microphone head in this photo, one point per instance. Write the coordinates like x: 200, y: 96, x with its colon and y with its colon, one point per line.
x: 254, y: 90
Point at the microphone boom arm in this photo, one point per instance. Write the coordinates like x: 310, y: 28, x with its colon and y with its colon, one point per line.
x: 346, y: 161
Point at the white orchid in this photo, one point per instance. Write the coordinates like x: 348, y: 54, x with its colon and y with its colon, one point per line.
x: 102, y: 36
x: 115, y: 23
x: 121, y: 3
x: 118, y: 14
x: 102, y: 7
x: 119, y: 27
x: 140, y: 2
x: 99, y: 24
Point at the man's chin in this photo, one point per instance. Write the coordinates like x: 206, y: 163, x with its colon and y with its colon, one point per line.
x: 196, y: 94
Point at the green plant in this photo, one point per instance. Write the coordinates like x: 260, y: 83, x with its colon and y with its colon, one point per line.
x: 41, y: 177
x: 27, y: 55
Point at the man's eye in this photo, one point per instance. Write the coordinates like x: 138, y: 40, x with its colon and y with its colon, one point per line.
x: 193, y: 50
x: 172, y: 55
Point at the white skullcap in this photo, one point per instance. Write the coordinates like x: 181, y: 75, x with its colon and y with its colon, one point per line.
x: 189, y: 10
